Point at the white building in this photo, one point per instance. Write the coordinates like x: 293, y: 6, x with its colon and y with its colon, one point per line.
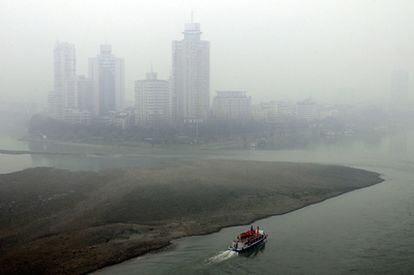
x: 307, y: 110
x: 152, y: 99
x: 270, y: 110
x: 107, y: 74
x: 123, y: 119
x: 190, y: 77
x: 286, y: 109
x: 63, y: 98
x: 266, y: 111
x: 230, y: 105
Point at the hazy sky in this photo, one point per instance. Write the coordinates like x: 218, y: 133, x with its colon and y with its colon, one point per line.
x: 331, y: 50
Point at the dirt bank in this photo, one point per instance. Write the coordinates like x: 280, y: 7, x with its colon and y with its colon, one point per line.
x: 57, y: 221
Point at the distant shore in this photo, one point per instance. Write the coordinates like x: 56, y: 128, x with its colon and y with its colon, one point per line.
x: 28, y: 152
x: 141, y: 145
x: 57, y: 221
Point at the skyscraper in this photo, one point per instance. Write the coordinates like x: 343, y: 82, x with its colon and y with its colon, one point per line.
x: 107, y: 74
x: 85, y: 93
x: 190, y: 77
x: 64, y: 94
x: 152, y: 99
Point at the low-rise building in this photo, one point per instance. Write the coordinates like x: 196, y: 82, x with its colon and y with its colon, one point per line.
x: 152, y: 99
x: 286, y: 109
x: 307, y: 110
x: 75, y: 116
x: 231, y: 105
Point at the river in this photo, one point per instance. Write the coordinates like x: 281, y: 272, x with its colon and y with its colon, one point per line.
x: 367, y: 231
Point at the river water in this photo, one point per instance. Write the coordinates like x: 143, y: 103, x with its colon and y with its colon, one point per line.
x: 367, y: 231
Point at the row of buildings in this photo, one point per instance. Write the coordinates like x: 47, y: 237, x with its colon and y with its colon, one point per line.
x: 78, y: 98
x: 185, y: 97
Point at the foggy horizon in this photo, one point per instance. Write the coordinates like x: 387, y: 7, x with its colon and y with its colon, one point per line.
x: 333, y: 52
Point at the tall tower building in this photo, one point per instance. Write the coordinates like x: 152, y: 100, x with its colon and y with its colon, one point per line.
x: 152, y: 99
x: 190, y: 77
x: 107, y: 73
x: 85, y: 93
x: 64, y: 94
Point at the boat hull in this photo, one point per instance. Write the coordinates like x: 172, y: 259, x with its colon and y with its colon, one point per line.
x: 249, y: 247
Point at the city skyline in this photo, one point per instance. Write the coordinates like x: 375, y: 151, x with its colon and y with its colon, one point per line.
x: 298, y: 41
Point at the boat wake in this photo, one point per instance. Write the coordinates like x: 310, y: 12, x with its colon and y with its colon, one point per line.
x: 222, y: 256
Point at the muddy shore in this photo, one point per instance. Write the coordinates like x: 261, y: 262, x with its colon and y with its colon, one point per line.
x: 57, y: 221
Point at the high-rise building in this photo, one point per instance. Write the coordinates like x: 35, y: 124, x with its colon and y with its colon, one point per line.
x: 64, y: 94
x: 231, y: 105
x: 190, y: 75
x: 107, y: 74
x: 85, y: 94
x: 152, y: 99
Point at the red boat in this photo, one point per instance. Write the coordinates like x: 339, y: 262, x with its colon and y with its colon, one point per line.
x: 248, y: 239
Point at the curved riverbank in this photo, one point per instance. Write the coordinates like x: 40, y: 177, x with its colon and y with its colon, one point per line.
x: 77, y: 222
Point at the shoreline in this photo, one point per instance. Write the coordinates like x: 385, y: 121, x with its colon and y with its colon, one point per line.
x: 28, y: 152
x: 139, y: 145
x: 170, y: 242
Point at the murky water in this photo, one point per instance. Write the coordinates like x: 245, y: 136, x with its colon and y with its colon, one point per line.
x: 367, y: 231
